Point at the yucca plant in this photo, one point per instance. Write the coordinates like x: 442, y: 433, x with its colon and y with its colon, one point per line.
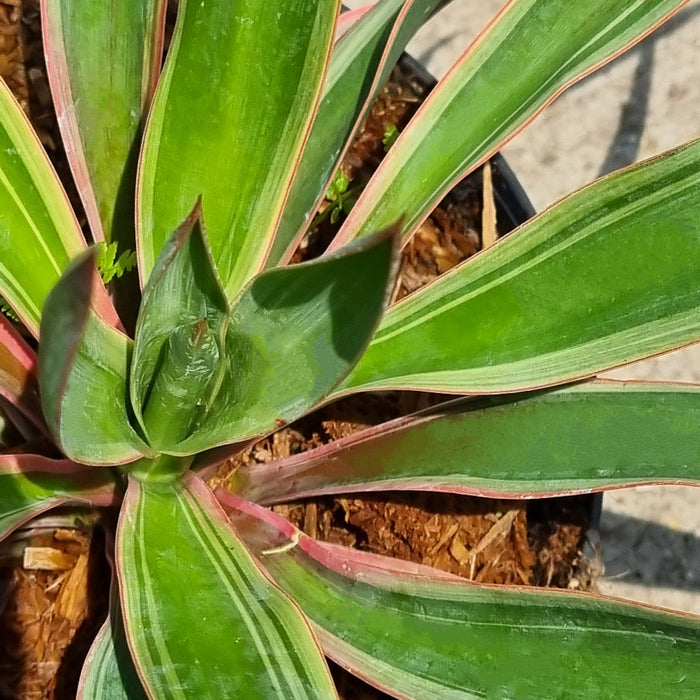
x: 211, y: 170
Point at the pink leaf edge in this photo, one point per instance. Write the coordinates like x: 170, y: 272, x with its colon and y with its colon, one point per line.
x: 382, y: 571
x: 348, y: 19
x: 27, y: 402
x: 351, y: 563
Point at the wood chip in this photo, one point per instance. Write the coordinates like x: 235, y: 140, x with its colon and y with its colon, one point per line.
x: 489, y: 233
x: 66, y: 535
x: 459, y: 551
x: 485, y: 573
x: 527, y: 557
x: 311, y: 520
x: 500, y: 529
x: 70, y: 602
x: 446, y: 537
x: 46, y: 559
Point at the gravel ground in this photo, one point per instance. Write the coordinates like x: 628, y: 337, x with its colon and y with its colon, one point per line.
x: 643, y: 103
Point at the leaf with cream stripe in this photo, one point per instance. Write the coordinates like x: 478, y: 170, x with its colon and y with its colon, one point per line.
x: 569, y: 294
x: 108, y: 672
x: 420, y: 633
x: 31, y: 485
x: 370, y: 48
x: 83, y: 367
x: 102, y: 89
x: 240, y: 138
x: 532, y: 51
x: 18, y: 383
x: 39, y: 233
x: 589, y: 436
x: 201, y: 619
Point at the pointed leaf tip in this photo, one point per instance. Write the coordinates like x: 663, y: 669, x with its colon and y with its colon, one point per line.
x: 178, y: 354
x: 265, y: 92
x: 293, y: 335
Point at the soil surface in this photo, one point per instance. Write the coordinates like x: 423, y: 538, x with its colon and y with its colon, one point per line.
x: 54, y: 587
x: 53, y: 600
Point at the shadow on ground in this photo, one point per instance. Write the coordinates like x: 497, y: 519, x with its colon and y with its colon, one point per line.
x: 642, y: 552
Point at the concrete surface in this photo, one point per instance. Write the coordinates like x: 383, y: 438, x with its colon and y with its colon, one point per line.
x: 643, y: 103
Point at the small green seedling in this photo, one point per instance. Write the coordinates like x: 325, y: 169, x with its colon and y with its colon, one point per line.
x: 109, y: 265
x: 391, y: 133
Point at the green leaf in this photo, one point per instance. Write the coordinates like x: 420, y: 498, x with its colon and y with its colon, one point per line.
x: 415, y: 633
x: 31, y: 485
x: 108, y: 672
x: 38, y: 231
x: 572, y: 292
x: 83, y: 365
x: 178, y: 360
x: 586, y: 437
x: 201, y: 619
x: 293, y: 335
x: 348, y: 18
x: 533, y: 51
x: 102, y: 87
x: 235, y: 143
x: 360, y: 66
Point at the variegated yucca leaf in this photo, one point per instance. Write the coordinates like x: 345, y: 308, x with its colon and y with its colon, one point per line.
x: 83, y: 366
x: 103, y: 61
x: 370, y: 48
x: 181, y: 570
x: 39, y: 233
x: 415, y: 632
x: 30, y: 485
x: 258, y: 104
x: 18, y: 382
x: 570, y: 293
x: 206, y: 373
x: 591, y: 436
x: 520, y: 63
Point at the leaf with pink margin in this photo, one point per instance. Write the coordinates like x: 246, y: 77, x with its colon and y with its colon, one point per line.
x: 83, y: 368
x: 567, y: 295
x: 239, y: 636
x: 18, y: 382
x: 178, y: 342
x: 420, y: 636
x: 39, y: 233
x: 348, y: 18
x: 292, y: 336
x: 529, y: 54
x: 108, y: 671
x: 242, y: 136
x: 588, y: 437
x: 31, y: 485
x: 101, y: 90
x: 370, y: 49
